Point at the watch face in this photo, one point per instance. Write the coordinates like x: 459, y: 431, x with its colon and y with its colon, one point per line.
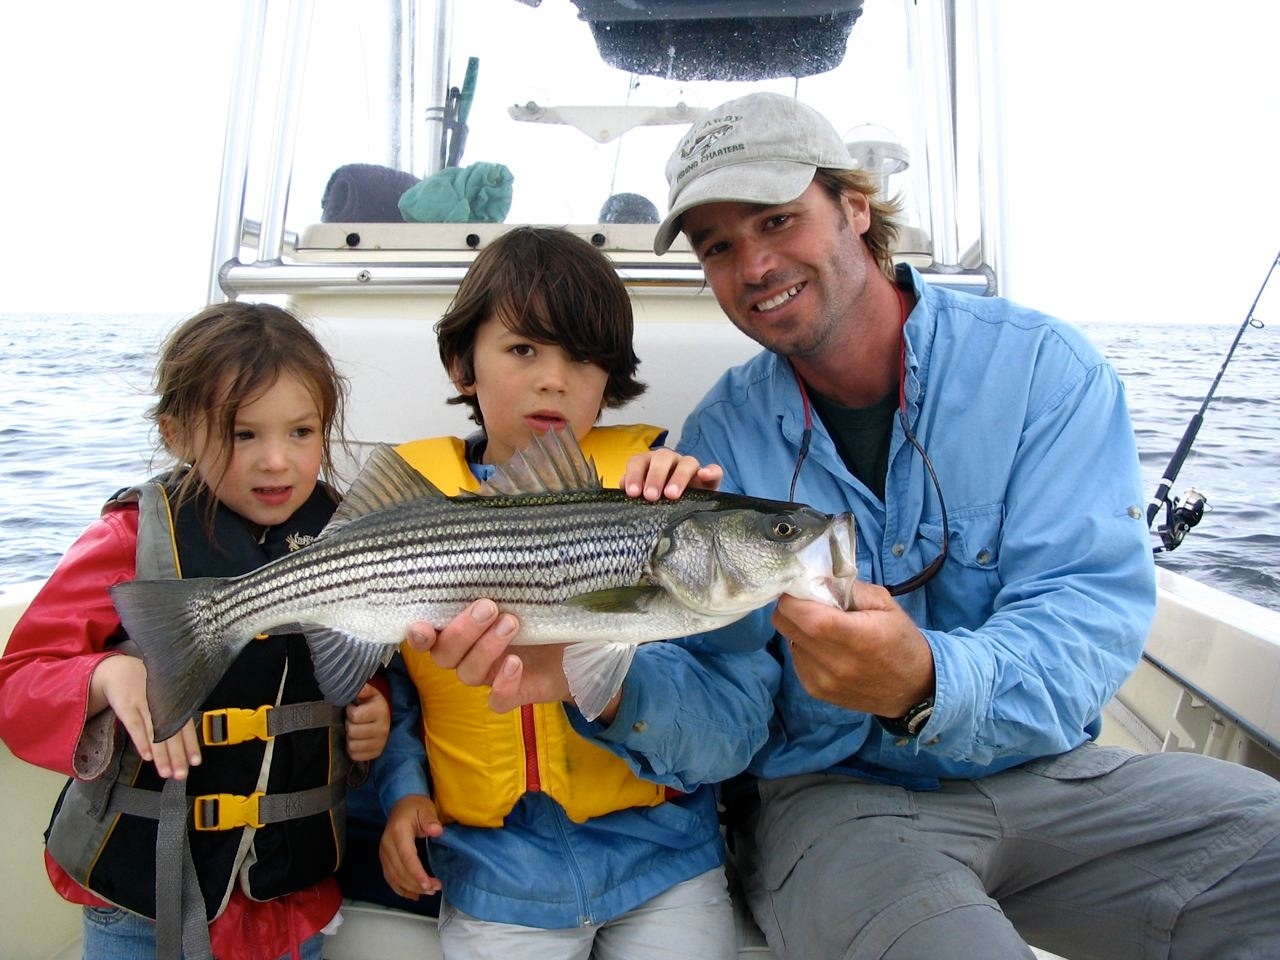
x: 918, y: 716
x: 911, y: 722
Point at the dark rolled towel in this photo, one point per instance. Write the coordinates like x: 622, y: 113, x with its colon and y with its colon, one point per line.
x: 629, y: 208
x: 364, y: 193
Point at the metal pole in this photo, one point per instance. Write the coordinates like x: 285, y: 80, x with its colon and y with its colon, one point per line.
x: 228, y: 227
x: 285, y: 131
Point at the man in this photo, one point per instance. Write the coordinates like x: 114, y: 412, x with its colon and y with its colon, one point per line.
x: 929, y: 786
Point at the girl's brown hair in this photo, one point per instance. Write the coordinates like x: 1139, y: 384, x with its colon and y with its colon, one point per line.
x: 551, y: 286
x: 229, y: 354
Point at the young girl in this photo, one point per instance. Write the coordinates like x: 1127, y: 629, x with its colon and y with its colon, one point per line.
x: 191, y: 831
x: 545, y: 845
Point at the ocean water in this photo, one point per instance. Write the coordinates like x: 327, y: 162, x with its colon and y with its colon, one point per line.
x: 74, y: 390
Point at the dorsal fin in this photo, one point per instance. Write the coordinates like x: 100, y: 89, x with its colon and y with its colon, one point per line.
x: 553, y: 463
x: 385, y: 479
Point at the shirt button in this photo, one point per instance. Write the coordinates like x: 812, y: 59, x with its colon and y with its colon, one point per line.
x: 984, y: 555
x: 901, y: 741
x: 1135, y: 511
x: 899, y: 549
x: 933, y: 742
x: 639, y: 726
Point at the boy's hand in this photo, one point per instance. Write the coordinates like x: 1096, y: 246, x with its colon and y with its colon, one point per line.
x: 412, y: 817
x: 368, y: 724
x: 476, y: 645
x: 120, y: 683
x: 665, y: 473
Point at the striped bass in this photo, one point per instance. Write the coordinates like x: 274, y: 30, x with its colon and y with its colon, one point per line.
x: 543, y: 538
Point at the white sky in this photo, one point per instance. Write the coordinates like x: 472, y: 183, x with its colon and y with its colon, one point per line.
x: 1141, y: 159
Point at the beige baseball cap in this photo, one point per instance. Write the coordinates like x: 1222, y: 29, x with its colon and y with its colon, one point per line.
x: 761, y: 148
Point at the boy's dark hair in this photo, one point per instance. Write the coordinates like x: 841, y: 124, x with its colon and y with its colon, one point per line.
x: 231, y: 353
x: 551, y: 286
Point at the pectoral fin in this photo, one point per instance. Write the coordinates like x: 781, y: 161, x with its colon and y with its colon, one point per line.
x: 342, y: 662
x: 595, y: 672
x: 618, y: 599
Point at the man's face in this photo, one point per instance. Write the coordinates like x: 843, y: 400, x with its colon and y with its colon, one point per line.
x: 790, y: 276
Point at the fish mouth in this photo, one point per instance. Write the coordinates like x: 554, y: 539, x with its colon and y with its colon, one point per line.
x: 831, y: 566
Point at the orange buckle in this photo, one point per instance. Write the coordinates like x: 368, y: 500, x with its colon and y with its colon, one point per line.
x: 226, y: 811
x: 232, y: 725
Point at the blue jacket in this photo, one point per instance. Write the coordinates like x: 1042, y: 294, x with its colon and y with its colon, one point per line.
x: 1034, y: 621
x: 542, y: 869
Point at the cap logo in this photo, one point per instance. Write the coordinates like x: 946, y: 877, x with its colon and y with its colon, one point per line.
x: 697, y: 147
x: 704, y: 138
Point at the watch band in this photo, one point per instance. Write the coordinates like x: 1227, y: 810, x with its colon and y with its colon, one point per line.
x: 911, y: 722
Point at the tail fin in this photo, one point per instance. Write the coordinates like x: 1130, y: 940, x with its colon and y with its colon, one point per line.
x: 185, y: 656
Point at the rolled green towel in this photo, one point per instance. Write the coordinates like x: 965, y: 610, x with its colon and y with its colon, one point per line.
x: 479, y: 193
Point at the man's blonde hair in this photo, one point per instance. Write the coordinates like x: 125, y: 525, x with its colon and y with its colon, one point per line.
x: 882, y: 235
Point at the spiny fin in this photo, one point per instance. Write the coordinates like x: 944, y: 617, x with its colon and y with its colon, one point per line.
x: 553, y: 463
x: 385, y: 479
x: 595, y: 672
x: 343, y: 663
x: 617, y: 599
x: 184, y: 659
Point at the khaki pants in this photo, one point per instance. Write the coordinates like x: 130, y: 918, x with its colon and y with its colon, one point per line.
x: 1098, y: 853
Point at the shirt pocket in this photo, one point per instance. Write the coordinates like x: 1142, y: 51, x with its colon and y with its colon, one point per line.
x: 971, y: 574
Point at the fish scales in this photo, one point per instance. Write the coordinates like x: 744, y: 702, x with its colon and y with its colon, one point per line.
x: 447, y: 560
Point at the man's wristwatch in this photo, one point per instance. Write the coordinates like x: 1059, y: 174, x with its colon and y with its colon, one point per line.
x: 911, y: 722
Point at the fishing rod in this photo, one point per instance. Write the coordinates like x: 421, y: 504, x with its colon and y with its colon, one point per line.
x: 1183, y: 514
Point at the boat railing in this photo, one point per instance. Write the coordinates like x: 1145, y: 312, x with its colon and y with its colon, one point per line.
x: 349, y: 258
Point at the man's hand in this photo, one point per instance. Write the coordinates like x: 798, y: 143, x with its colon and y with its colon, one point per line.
x: 665, y: 473
x: 872, y: 658
x: 412, y: 817
x: 368, y: 724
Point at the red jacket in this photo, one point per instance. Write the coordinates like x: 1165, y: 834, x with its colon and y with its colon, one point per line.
x: 44, y: 692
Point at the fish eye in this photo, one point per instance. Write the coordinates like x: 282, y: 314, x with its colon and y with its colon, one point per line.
x: 784, y: 528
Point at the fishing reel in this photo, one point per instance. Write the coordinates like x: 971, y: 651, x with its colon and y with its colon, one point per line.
x: 1180, y: 516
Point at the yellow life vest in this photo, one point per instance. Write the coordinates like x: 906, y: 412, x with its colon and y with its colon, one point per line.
x: 483, y: 762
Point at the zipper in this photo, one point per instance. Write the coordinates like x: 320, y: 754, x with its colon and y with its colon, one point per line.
x: 585, y: 917
x: 532, y: 777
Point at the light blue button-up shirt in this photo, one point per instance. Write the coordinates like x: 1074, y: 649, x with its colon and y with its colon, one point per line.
x: 1037, y: 616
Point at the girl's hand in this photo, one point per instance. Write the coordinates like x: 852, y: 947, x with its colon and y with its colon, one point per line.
x: 665, y: 473
x: 119, y: 682
x: 412, y: 817
x: 368, y: 724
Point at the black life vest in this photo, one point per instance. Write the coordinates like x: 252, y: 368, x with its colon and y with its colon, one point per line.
x: 114, y: 853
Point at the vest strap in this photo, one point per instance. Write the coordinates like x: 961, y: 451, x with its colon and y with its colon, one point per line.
x: 232, y: 725
x: 182, y: 929
x: 229, y: 811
